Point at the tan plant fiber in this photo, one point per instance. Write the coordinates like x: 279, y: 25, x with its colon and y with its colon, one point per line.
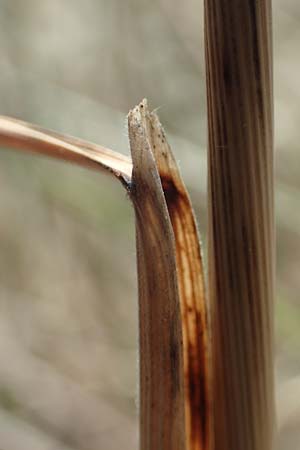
x: 238, y: 41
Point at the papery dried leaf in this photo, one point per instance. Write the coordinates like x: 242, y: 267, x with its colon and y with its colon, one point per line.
x: 25, y: 136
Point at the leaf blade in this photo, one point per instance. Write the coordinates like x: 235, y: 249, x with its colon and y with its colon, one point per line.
x: 32, y: 138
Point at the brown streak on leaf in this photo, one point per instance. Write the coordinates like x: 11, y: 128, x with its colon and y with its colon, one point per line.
x: 194, y: 313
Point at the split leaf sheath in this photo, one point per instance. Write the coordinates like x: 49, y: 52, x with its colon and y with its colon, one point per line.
x: 175, y: 406
x: 171, y: 297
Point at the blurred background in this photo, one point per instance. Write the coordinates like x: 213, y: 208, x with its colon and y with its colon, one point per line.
x: 68, y: 297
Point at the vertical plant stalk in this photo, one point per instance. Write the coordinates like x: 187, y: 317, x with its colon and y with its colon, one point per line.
x: 241, y: 230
